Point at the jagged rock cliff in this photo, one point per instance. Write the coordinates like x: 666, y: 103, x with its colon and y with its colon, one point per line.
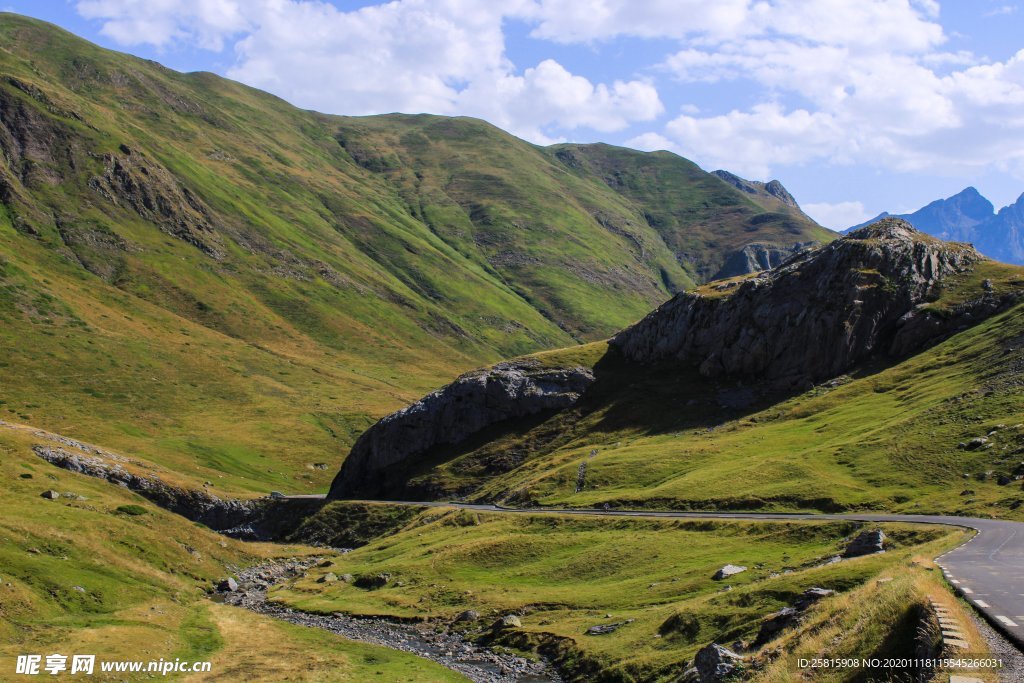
x: 455, y: 412
x: 816, y: 315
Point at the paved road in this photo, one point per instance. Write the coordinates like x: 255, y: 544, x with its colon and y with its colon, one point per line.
x: 988, y: 569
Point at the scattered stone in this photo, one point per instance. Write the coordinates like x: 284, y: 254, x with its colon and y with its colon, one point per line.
x: 507, y: 621
x: 714, y: 663
x: 228, y: 585
x: 973, y: 444
x: 348, y: 578
x: 866, y: 543
x: 811, y: 596
x: 50, y: 495
x: 470, y: 615
x: 727, y: 571
x: 78, y: 588
x: 329, y: 577
x: 602, y: 629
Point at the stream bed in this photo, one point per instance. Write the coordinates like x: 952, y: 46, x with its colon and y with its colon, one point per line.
x: 430, y: 641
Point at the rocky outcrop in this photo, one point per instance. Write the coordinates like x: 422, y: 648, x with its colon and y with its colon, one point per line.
x: 452, y: 414
x: 813, y: 317
x: 199, y: 506
x: 756, y: 257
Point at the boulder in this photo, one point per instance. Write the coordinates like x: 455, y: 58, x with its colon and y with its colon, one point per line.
x: 973, y: 444
x: 347, y: 578
x: 228, y: 585
x: 469, y: 615
x: 329, y: 577
x: 866, y: 543
x: 727, y: 571
x: 50, y: 495
x: 714, y: 663
x: 507, y: 621
x: 373, y: 581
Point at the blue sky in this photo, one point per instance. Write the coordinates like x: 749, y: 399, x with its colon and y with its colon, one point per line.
x: 857, y: 106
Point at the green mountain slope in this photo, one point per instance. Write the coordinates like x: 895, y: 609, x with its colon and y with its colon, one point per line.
x: 197, y: 271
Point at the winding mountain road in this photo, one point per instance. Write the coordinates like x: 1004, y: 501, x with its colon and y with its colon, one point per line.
x: 988, y: 570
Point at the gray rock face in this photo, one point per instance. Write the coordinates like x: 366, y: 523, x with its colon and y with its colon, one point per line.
x: 453, y: 413
x: 866, y: 543
x: 813, y: 317
x: 756, y: 257
x: 228, y: 585
x: 714, y: 663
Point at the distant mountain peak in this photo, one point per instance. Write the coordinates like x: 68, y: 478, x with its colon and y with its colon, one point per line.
x: 956, y: 218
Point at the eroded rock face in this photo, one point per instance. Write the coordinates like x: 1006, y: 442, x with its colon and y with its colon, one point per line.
x: 756, y: 257
x: 813, y: 317
x: 134, y: 181
x: 453, y: 413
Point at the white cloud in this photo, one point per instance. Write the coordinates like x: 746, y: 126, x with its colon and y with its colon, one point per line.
x: 748, y: 143
x: 846, y: 82
x: 838, y: 216
x: 1002, y: 10
x: 652, y: 142
x: 161, y: 22
x: 437, y: 56
x: 572, y: 21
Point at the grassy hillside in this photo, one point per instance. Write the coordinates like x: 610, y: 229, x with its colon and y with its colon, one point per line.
x: 886, y: 436
x: 102, y: 571
x: 200, y: 273
x: 654, y: 577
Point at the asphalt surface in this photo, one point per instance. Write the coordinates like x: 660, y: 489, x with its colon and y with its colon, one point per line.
x: 988, y: 570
